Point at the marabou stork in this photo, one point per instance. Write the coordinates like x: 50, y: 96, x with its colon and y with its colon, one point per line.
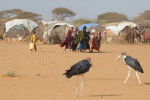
x: 79, y: 68
x: 131, y: 64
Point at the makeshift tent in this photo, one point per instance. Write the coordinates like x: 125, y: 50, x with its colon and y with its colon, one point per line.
x: 30, y: 25
x: 88, y: 25
x: 128, y: 34
x: 55, y: 31
x: 147, y: 34
x: 17, y: 31
x: 39, y: 33
x: 98, y: 28
x: 19, y: 28
x: 125, y: 31
x: 109, y: 33
x: 120, y: 27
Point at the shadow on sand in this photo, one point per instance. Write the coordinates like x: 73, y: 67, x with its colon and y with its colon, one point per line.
x: 147, y: 83
x: 105, y: 95
x: 46, y: 51
x: 98, y: 52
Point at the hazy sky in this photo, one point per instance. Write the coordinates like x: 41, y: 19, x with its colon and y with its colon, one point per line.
x: 83, y: 8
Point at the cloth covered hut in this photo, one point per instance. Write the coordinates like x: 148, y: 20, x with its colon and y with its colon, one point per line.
x: 55, y: 31
x: 125, y: 31
x: 19, y: 28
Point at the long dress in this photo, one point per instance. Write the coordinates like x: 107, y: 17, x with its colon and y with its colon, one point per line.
x: 99, y: 37
x: 81, y: 39
x: 73, y: 45
x: 87, y: 39
x: 94, y: 43
x: 33, y: 39
x: 67, y: 41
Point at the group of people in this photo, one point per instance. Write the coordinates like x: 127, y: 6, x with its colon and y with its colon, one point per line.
x: 77, y: 41
x: 80, y: 41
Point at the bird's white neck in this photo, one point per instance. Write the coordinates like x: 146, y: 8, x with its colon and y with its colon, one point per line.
x: 124, y: 57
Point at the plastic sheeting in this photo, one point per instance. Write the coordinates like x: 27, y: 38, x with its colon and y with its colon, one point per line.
x: 120, y: 27
x: 30, y: 25
x: 51, y: 25
x: 88, y: 25
x: 47, y: 23
x: 19, y: 27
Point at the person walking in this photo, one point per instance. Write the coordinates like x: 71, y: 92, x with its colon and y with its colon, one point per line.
x: 68, y: 39
x: 94, y: 42
x: 33, y: 40
x: 99, y: 37
x: 81, y: 39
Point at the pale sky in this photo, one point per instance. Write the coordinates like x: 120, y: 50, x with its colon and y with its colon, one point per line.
x: 89, y: 9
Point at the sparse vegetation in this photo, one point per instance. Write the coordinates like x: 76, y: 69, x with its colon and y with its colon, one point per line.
x: 10, y: 74
x: 36, y: 74
x: 19, y: 14
x: 62, y: 13
x: 111, y: 17
x: 144, y: 16
x: 81, y: 21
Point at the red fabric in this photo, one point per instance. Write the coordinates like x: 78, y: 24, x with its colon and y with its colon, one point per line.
x: 94, y: 43
x: 67, y: 40
x: 147, y: 36
x: 69, y: 33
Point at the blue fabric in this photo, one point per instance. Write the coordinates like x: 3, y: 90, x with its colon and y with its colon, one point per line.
x: 19, y: 27
x: 82, y: 45
x: 88, y: 25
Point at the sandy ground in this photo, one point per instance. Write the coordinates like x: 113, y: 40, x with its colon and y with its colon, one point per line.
x: 103, y: 81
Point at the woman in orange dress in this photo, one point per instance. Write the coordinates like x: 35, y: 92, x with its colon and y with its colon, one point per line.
x: 94, y: 42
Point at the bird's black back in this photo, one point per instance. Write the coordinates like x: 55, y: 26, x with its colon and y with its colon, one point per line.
x: 78, y: 68
x: 133, y: 63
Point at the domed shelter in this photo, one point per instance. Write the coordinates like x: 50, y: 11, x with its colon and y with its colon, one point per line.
x: 19, y: 28
x: 125, y: 31
x: 147, y: 34
x: 55, y: 31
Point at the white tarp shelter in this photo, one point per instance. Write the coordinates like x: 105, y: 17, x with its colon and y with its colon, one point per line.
x: 30, y: 25
x: 120, y: 27
x: 50, y: 25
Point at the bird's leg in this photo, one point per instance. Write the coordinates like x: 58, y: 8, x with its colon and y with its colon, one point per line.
x: 82, y: 85
x: 127, y: 77
x: 77, y: 86
x: 138, y: 78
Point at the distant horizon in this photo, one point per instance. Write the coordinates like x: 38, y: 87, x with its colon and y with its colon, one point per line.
x: 87, y: 9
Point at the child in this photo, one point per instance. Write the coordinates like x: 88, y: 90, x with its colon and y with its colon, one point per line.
x: 94, y: 42
x: 33, y: 40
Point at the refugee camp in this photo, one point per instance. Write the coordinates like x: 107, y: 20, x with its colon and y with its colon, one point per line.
x: 74, y: 50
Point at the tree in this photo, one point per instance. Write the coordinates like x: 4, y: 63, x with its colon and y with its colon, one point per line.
x: 62, y: 13
x: 112, y: 17
x: 19, y: 14
x: 144, y: 16
x: 81, y: 21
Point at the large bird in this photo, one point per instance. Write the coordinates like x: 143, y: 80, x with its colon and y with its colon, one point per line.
x: 79, y: 68
x: 131, y: 64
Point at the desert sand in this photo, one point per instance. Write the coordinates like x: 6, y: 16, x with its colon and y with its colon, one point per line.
x: 104, y: 81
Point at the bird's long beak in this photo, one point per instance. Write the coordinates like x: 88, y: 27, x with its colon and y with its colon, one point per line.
x: 118, y: 58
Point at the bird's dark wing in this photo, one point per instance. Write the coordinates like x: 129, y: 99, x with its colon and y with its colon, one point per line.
x: 81, y: 67
x: 78, y: 68
x: 133, y: 63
